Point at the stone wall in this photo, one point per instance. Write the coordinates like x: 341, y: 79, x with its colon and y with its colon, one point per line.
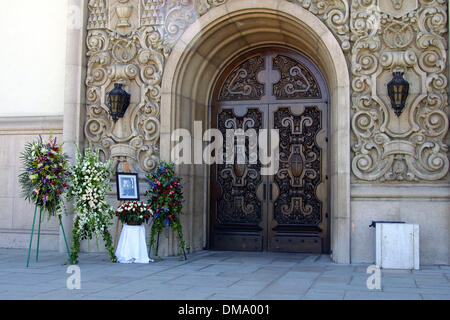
x: 425, y: 205
x: 16, y: 215
x: 32, y: 82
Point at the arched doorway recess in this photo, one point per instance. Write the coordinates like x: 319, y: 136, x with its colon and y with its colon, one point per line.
x: 193, y: 67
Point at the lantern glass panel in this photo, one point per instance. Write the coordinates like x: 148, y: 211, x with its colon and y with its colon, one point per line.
x: 398, y: 89
x: 118, y: 101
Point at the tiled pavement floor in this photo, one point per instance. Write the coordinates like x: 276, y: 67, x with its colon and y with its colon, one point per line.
x: 213, y: 275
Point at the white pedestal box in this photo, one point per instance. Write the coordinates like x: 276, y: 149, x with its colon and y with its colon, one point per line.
x: 397, y: 245
x: 132, y: 247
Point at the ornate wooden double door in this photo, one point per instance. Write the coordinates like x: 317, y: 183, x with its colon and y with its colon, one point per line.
x: 287, y: 210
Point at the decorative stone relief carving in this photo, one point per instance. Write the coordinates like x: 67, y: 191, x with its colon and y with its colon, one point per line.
x: 409, y: 39
x: 124, y: 15
x: 397, y: 8
x: 129, y: 41
x: 300, y: 169
x: 335, y: 14
x: 203, y: 6
x: 98, y: 17
x: 153, y: 13
x: 239, y: 202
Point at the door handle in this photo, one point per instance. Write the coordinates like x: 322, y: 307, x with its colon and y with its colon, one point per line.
x: 270, y: 192
x: 264, y: 191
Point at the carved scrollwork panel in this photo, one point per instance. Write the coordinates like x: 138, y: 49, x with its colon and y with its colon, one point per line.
x: 403, y: 37
x: 239, y: 203
x: 335, y: 14
x: 296, y: 81
x: 128, y: 41
x: 300, y: 167
x: 116, y: 58
x: 242, y: 84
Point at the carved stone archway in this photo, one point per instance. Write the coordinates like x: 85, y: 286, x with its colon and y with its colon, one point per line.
x: 189, y: 76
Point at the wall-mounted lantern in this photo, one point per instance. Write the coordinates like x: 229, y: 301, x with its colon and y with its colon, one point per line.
x: 118, y: 101
x: 398, y: 89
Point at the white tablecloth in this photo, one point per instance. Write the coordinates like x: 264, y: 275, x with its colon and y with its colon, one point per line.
x: 132, y: 247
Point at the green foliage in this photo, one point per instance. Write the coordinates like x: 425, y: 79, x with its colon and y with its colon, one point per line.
x: 165, y: 198
x: 44, y: 175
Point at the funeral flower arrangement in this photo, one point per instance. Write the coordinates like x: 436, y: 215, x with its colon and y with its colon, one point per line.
x: 134, y: 212
x: 166, y: 198
x: 45, y: 174
x: 89, y: 185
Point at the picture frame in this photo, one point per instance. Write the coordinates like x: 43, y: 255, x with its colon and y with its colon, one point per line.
x: 127, y: 186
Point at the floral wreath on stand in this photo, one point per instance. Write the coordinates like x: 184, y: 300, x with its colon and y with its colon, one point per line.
x: 45, y: 175
x: 89, y: 184
x: 165, y: 198
x: 44, y: 181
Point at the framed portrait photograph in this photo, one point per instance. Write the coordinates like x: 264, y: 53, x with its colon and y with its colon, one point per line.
x: 127, y: 186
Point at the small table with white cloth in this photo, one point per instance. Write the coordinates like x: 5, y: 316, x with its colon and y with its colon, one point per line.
x: 132, y: 247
